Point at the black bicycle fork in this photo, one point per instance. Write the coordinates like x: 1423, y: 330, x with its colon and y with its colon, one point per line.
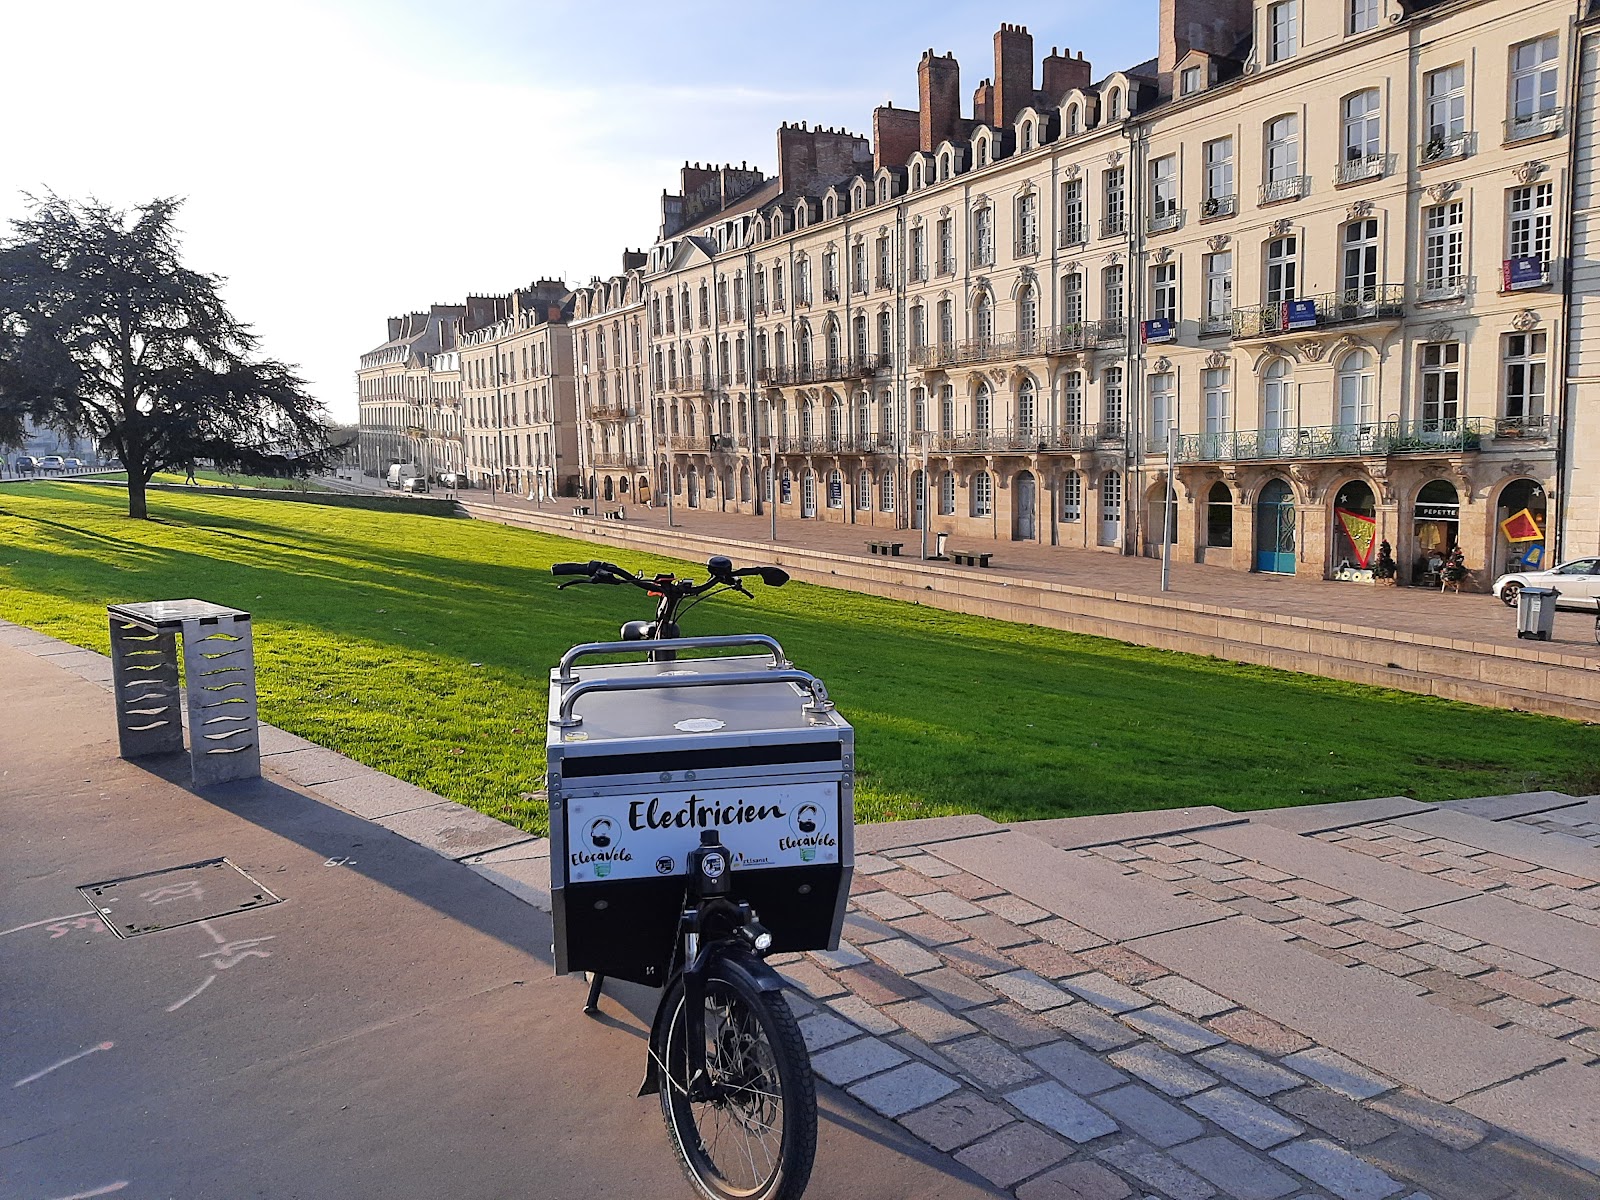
x: 712, y: 929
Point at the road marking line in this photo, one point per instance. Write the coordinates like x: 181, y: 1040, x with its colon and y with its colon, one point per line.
x: 99, y: 1191
x: 64, y: 1062
x: 210, y: 979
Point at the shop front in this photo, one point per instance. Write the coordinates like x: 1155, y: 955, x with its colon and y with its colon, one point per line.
x: 1355, y: 532
x: 1520, y: 526
x: 1435, y: 530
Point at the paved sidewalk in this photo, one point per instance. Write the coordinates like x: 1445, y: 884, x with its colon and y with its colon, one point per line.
x: 1368, y: 1000
x: 1424, y: 612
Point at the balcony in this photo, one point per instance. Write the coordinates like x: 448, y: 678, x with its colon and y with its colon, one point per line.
x: 1440, y: 289
x: 1386, y: 302
x: 1166, y: 222
x: 1214, y: 208
x: 1277, y: 191
x: 1534, y: 427
x: 982, y: 256
x: 1535, y: 125
x: 1217, y: 323
x: 830, y: 294
x: 1026, y: 246
x: 917, y: 272
x: 947, y: 265
x: 858, y: 367
x: 760, y: 308
x: 978, y: 350
x: 691, y: 382
x: 1076, y: 336
x: 834, y: 443
x: 1027, y: 439
x: 1357, y: 167
x: 607, y: 412
x: 1442, y: 147
x: 1526, y: 273
x: 617, y: 458
x: 1114, y: 226
x: 1368, y: 439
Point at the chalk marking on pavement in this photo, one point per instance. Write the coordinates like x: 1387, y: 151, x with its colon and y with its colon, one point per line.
x: 64, y: 1062
x: 215, y: 936
x: 99, y: 1191
x: 210, y: 979
x: 48, y: 921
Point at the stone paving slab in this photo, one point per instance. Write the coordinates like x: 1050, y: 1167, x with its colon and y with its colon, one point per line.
x: 1372, y: 1018
x: 369, y: 793
x: 311, y: 767
x: 1506, y: 808
x: 1545, y: 936
x: 1076, y: 833
x: 1558, y: 1108
x: 1511, y: 838
x: 524, y: 851
x: 276, y: 741
x: 1319, y: 818
x: 1090, y: 892
x: 900, y: 835
x: 1353, y: 874
x: 527, y: 879
x: 454, y: 830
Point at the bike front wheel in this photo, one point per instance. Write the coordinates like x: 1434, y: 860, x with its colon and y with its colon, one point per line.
x: 752, y: 1134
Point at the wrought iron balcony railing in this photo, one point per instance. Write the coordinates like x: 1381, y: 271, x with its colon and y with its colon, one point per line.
x: 825, y: 371
x: 1442, y: 147
x: 1275, y: 191
x: 1114, y: 226
x: 1026, y: 439
x: 1537, y: 124
x: 1166, y: 222
x: 1214, y: 208
x: 1370, y: 438
x: 1071, y: 235
x: 1363, y: 166
x: 1385, y: 302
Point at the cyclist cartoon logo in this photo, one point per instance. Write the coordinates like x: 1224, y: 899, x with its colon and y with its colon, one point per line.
x: 601, y: 833
x: 809, y: 820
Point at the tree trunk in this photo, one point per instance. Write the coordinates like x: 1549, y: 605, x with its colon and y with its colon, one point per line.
x: 136, y: 505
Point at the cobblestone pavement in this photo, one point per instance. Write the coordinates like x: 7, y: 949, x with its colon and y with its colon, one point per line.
x: 1381, y: 999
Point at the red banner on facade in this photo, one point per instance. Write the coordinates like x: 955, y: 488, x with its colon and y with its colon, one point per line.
x: 1362, y: 531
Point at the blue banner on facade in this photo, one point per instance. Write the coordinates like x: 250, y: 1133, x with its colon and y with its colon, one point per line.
x: 1519, y: 274
x: 1299, y: 314
x: 1158, y: 330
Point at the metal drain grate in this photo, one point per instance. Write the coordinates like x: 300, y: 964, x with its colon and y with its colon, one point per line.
x: 156, y: 900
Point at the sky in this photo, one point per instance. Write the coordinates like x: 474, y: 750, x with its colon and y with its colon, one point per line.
x: 347, y: 161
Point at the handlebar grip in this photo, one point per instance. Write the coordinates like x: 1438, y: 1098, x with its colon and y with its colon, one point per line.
x: 572, y: 568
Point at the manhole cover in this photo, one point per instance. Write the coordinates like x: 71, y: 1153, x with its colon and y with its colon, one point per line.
x: 138, y: 904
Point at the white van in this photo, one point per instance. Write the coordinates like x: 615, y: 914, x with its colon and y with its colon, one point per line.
x: 400, y: 472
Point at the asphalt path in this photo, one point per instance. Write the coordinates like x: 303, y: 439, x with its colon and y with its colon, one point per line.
x: 392, y: 1027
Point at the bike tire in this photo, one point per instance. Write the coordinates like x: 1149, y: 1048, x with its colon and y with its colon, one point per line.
x: 697, y: 1129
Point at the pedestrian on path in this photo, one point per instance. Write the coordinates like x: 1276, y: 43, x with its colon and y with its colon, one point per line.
x: 1454, y: 570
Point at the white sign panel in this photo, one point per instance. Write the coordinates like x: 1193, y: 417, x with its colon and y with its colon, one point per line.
x: 640, y: 835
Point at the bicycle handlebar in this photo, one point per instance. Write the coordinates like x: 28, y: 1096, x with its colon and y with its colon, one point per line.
x: 721, y: 574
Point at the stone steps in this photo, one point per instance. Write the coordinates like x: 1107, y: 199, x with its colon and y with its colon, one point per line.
x: 1570, y: 855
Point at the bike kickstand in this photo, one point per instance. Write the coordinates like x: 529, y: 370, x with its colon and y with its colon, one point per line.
x: 592, y: 1004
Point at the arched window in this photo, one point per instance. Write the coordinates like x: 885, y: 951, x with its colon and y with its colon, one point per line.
x: 1072, y: 399
x: 982, y: 495
x: 1026, y: 140
x: 829, y: 209
x: 944, y: 165
x: 780, y: 349
x: 835, y: 420
x: 835, y: 350
x: 947, y: 409
x: 1073, y: 119
x: 981, y: 153
x: 1111, y: 398
x: 983, y: 318
x: 916, y: 175
x: 947, y: 493
x: 1114, y: 105
x: 861, y: 348
x: 885, y: 333
x: 835, y: 489
x: 1027, y: 405
x: 864, y: 489
x: 1355, y: 388
x: 982, y: 410
x: 1219, y: 515
x: 864, y: 418
x: 803, y: 348
x: 1027, y: 311
x: 886, y: 492
x: 808, y: 412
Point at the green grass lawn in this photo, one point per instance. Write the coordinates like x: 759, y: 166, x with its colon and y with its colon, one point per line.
x: 422, y: 645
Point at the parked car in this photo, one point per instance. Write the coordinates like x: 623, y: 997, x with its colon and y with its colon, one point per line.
x: 53, y: 462
x: 414, y: 483
x: 25, y: 464
x: 454, y: 479
x: 74, y: 464
x: 1578, y: 582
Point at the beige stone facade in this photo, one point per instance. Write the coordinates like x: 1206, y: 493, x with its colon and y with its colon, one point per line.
x: 409, y: 395
x: 1322, y: 246
x: 521, y: 424
x: 613, y: 395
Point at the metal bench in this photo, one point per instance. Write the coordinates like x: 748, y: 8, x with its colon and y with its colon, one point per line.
x: 889, y: 548
x: 971, y: 560
x: 220, y: 669
x: 615, y: 514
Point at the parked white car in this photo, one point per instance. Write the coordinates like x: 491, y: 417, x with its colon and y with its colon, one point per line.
x: 53, y: 463
x: 1578, y: 582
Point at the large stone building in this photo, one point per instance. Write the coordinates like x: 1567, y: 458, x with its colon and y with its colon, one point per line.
x: 1331, y: 259
x: 409, y: 394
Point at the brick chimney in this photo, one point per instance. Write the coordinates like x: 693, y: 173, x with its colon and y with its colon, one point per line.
x: 1215, y: 26
x: 895, y: 136
x: 1062, y: 73
x: 1013, y: 73
x: 983, y: 103
x: 938, y: 97
x: 809, y: 159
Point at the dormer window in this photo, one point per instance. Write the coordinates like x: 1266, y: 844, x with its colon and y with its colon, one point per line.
x: 1190, y: 81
